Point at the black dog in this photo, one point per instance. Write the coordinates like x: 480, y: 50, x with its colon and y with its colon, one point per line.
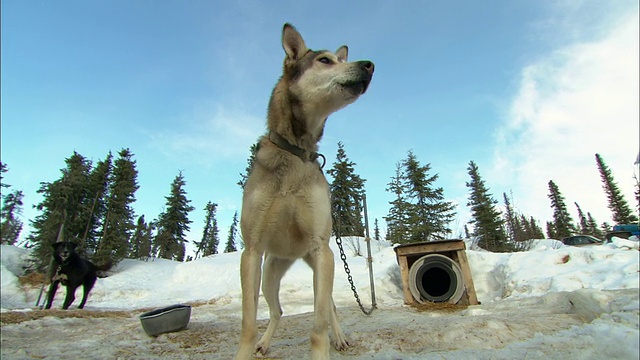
x: 72, y: 271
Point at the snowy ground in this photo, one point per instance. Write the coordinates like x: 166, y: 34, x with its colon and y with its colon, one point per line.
x: 553, y: 302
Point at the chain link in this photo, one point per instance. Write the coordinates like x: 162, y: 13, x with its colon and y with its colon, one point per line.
x: 350, y: 278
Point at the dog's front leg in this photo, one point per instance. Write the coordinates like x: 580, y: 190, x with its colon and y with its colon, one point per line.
x: 339, y: 340
x: 250, y: 273
x: 52, y: 293
x: 321, y: 261
x: 272, y: 273
x: 71, y: 296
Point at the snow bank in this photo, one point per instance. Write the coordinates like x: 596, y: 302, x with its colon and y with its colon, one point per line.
x: 552, y: 302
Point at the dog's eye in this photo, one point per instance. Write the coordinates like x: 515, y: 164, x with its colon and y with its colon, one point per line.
x: 325, y: 60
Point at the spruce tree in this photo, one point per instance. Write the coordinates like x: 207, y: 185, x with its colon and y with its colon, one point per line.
x: 10, y: 224
x: 141, y: 240
x: 430, y: 214
x: 551, y: 231
x: 243, y: 177
x: 486, y: 219
x: 582, y: 219
x: 231, y: 239
x: 419, y: 212
x: 526, y: 230
x: 621, y: 212
x: 209, y: 243
x: 592, y: 227
x: 376, y: 230
x: 64, y: 202
x: 637, y: 191
x: 347, y: 191
x: 100, y: 180
x: 536, y: 231
x: 397, y: 232
x: 119, y: 219
x: 173, y: 223
x: 514, y: 230
x: 562, y: 223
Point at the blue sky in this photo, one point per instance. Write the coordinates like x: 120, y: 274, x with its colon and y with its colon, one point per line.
x: 530, y: 91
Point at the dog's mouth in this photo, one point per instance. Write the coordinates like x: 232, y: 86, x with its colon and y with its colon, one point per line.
x: 360, y: 83
x: 356, y: 88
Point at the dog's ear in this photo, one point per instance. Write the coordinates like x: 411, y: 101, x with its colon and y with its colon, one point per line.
x: 292, y: 42
x: 342, y: 53
x: 73, y: 245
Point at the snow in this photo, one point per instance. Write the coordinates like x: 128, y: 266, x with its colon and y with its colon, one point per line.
x: 552, y: 302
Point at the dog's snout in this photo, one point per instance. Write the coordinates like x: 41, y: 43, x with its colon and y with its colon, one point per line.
x: 367, y: 65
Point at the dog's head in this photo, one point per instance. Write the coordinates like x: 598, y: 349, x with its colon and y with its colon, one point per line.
x: 322, y: 81
x: 63, y: 250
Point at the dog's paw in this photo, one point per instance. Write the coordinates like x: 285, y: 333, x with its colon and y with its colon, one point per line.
x: 244, y: 353
x: 340, y: 342
x: 262, y: 347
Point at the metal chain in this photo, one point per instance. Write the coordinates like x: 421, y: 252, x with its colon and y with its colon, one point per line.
x: 349, y: 277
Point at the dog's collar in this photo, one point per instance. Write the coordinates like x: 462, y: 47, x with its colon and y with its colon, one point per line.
x: 303, y: 154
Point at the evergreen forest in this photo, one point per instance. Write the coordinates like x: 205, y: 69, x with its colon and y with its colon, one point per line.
x: 92, y: 204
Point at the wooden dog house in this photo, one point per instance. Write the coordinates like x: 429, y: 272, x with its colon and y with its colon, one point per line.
x: 436, y: 271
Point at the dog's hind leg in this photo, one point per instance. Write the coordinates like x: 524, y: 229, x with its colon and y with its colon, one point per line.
x: 86, y: 287
x: 273, y: 270
x: 321, y: 261
x: 250, y: 272
x: 52, y: 293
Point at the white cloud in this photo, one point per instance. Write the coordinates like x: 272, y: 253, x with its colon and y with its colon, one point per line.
x: 578, y: 101
x: 210, y: 136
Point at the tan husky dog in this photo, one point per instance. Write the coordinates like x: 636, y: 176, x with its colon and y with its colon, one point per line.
x: 286, y: 212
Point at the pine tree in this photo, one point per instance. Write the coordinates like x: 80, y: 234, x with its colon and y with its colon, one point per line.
x: 347, y: 191
x: 141, y: 240
x: 64, y: 202
x: 551, y: 231
x: 430, y: 215
x: 231, y: 239
x: 119, y: 219
x: 3, y: 170
x: 419, y: 212
x: 526, y: 230
x: 243, y: 177
x: 100, y: 180
x: 621, y: 212
x: 514, y: 230
x: 10, y: 224
x: 173, y: 223
x: 592, y: 227
x: 562, y: 223
x: 536, y: 231
x: 209, y: 243
x: 582, y: 219
x: 397, y: 232
x: 487, y: 221
x: 637, y: 191
x: 76, y: 186
x: 376, y: 230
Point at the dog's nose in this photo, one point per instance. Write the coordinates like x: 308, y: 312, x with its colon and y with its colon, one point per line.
x: 367, y: 65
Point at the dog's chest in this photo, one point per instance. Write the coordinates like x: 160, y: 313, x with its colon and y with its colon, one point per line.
x: 287, y: 217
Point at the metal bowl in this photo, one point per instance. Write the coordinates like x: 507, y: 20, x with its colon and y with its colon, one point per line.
x: 169, y: 319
